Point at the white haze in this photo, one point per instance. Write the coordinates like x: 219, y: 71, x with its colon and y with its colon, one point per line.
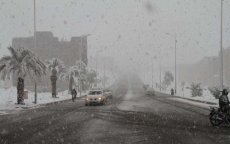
x: 132, y: 32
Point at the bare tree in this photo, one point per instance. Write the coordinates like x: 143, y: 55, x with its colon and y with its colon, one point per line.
x: 168, y: 78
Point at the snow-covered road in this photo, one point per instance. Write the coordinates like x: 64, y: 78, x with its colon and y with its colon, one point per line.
x: 130, y: 117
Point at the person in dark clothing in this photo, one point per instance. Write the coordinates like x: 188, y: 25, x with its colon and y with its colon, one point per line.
x: 172, y: 91
x: 224, y: 102
x: 74, y: 94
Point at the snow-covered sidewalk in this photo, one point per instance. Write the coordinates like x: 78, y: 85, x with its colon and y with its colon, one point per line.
x: 207, y: 97
x: 8, y: 99
x: 205, y: 101
x: 185, y: 93
x: 195, y: 103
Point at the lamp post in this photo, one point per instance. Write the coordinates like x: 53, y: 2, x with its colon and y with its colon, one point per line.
x: 175, y: 65
x: 35, y: 45
x: 81, y: 61
x: 96, y: 71
x: 152, y: 72
x: 221, y: 48
x: 160, y: 72
x: 175, y: 59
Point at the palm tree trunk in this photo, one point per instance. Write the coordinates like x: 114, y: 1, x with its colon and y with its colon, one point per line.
x: 53, y: 84
x: 20, y: 90
x: 71, y: 83
x: 53, y: 79
x: 35, y: 90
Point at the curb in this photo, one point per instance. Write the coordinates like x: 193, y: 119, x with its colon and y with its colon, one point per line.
x: 50, y: 103
x: 211, y: 103
x: 200, y: 101
x: 3, y: 112
x: 58, y: 102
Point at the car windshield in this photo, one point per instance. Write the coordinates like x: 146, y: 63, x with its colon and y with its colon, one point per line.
x: 95, y: 92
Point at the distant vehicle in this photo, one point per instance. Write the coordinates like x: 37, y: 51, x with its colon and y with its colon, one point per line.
x: 95, y: 97
x: 150, y: 92
x: 108, y: 93
x: 172, y: 91
x: 96, y: 88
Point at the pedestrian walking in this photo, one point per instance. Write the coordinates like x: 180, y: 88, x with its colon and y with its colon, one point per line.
x: 172, y: 91
x: 74, y: 94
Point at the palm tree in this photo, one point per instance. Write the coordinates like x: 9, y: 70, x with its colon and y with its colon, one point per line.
x: 82, y: 71
x: 56, y: 67
x: 20, y: 63
x: 69, y: 75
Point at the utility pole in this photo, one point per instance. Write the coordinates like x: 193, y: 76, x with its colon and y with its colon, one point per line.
x: 104, y: 75
x: 175, y: 50
x: 152, y: 71
x: 221, y: 48
x: 35, y: 47
x: 80, y: 78
x: 160, y: 69
x: 96, y: 70
x: 160, y: 74
x: 175, y: 64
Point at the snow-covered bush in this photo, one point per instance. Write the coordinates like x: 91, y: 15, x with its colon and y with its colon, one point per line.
x: 196, y: 89
x: 145, y: 86
x: 215, y: 91
x: 168, y: 79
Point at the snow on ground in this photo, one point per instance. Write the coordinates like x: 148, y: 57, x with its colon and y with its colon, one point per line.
x: 199, y: 104
x: 206, y: 97
x: 8, y: 99
x: 187, y: 97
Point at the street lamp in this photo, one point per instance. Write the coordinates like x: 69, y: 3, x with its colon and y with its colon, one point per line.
x: 97, y: 65
x: 175, y: 37
x: 158, y: 58
x: 81, y: 61
x: 35, y: 45
x: 221, y: 48
x: 152, y: 72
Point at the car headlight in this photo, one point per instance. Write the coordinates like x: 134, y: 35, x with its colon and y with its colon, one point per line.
x: 99, y: 98
x: 87, y: 99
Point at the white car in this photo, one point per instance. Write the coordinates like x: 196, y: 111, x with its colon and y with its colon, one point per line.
x: 95, y: 97
x: 108, y: 93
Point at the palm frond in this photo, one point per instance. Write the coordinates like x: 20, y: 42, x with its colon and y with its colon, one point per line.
x: 57, y: 64
x: 14, y: 53
x: 2, y: 67
x: 21, y: 62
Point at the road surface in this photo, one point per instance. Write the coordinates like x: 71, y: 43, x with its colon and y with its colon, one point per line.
x: 130, y: 117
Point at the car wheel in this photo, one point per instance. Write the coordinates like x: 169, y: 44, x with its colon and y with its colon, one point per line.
x: 86, y: 104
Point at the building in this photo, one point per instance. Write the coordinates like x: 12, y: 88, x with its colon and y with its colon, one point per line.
x: 206, y: 71
x: 49, y: 47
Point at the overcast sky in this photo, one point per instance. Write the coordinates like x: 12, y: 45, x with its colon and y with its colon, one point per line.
x: 130, y: 31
